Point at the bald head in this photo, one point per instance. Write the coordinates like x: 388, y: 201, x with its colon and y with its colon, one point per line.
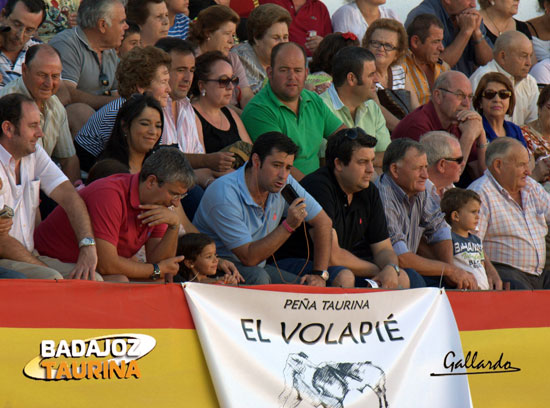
x: 513, y: 52
x: 41, y: 72
x: 450, y: 79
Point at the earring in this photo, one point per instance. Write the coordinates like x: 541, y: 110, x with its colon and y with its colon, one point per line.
x: 203, y: 92
x: 492, y: 3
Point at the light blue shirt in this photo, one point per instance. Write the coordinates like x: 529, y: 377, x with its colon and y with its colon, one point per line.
x: 229, y: 215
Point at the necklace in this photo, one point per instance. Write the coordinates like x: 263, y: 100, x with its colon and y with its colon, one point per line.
x: 497, y: 27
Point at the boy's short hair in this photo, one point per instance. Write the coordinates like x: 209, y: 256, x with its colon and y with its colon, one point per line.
x: 456, y: 198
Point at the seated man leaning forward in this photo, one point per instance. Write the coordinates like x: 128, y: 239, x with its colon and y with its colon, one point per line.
x: 412, y: 211
x: 514, y: 216
x: 127, y: 212
x: 25, y: 168
x: 360, y: 239
x: 242, y: 211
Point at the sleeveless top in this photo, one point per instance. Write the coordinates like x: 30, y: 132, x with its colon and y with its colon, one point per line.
x: 540, y: 47
x: 216, y: 139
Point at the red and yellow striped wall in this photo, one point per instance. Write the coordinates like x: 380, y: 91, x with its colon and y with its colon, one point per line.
x: 174, y: 373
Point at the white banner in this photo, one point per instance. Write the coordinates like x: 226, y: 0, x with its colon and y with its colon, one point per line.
x: 354, y: 350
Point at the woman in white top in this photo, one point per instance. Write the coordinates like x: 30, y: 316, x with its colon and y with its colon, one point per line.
x: 356, y: 16
x: 387, y: 40
x: 540, y: 30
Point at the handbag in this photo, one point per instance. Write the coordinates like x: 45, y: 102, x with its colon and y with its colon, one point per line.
x: 241, y: 150
x: 398, y: 101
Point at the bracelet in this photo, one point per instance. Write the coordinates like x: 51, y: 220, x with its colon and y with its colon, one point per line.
x: 287, y: 227
x: 482, y: 146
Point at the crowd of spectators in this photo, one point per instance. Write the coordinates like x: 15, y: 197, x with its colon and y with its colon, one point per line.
x: 142, y: 140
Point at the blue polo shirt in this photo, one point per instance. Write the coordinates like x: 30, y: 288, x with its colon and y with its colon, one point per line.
x: 229, y: 215
x: 466, y: 64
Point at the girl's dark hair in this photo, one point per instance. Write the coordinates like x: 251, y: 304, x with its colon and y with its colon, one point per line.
x: 329, y: 46
x: 191, y: 245
x: 117, y: 147
x: 203, y: 67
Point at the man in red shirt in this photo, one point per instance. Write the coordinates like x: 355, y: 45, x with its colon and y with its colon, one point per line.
x: 128, y: 211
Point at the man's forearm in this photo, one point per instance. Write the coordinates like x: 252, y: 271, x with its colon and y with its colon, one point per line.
x: 359, y: 267
x: 12, y: 249
x: 260, y: 250
x: 424, y: 266
x: 321, y: 234
x: 71, y: 167
x: 66, y: 196
x: 166, y: 247
x: 443, y: 251
x: 454, y: 51
x: 95, y: 101
x: 385, y: 257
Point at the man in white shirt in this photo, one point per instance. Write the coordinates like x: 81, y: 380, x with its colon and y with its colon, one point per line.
x: 25, y: 168
x: 512, y: 57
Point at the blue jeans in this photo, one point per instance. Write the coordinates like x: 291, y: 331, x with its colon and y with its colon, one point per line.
x: 257, y: 275
x: 9, y: 274
x: 416, y: 280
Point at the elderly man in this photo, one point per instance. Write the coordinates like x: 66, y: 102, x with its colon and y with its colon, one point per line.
x: 127, y: 212
x: 89, y: 58
x: 283, y: 105
x: 25, y: 169
x: 514, y: 216
x: 449, y: 110
x: 512, y: 53
x: 412, y: 211
x: 40, y: 81
x: 423, y: 61
x: 23, y: 17
x: 464, y: 35
x: 242, y: 212
x: 350, y: 96
x: 445, y: 160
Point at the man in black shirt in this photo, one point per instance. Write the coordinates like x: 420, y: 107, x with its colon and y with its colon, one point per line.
x: 360, y: 236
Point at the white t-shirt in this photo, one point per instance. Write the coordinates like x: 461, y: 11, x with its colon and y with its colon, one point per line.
x: 468, y: 255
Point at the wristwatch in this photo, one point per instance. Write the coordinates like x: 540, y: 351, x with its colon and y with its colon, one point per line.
x: 323, y: 274
x: 397, y: 269
x: 86, y: 241
x: 156, y: 272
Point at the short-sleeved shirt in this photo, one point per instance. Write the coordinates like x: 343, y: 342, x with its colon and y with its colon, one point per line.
x: 230, y: 216
x: 411, y: 218
x: 357, y: 224
x: 266, y: 113
x: 466, y: 64
x: 180, y: 29
x: 418, y: 77
x: 468, y: 255
x: 313, y: 15
x: 368, y: 117
x: 95, y: 133
x: 57, y: 140
x: 81, y: 64
x: 37, y: 171
x: 12, y: 70
x: 184, y: 132
x: 113, y: 205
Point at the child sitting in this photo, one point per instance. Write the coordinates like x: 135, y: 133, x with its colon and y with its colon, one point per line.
x: 201, y: 261
x: 461, y: 208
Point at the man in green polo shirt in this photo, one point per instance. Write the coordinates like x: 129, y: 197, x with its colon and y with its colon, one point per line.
x: 283, y: 105
x: 351, y: 94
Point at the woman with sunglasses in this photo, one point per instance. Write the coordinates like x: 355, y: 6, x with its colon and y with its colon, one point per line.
x: 212, y: 88
x: 214, y: 30
x: 494, y: 99
x: 387, y: 40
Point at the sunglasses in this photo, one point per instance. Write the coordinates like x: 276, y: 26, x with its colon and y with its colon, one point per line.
x: 224, y: 82
x: 455, y: 159
x: 502, y: 94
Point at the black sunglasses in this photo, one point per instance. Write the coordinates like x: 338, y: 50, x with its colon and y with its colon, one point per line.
x: 224, y: 82
x: 502, y: 94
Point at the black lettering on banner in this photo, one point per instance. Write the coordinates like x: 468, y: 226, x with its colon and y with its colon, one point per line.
x: 247, y: 330
x: 471, y: 362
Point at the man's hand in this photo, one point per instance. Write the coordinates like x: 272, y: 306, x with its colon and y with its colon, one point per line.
x: 313, y: 42
x: 296, y: 213
x: 495, y: 283
x: 86, y: 264
x: 229, y: 268
x: 154, y: 214
x: 460, y: 278
x: 470, y: 123
x: 468, y: 20
x: 387, y: 278
x: 220, y: 161
x: 170, y: 265
x: 5, y: 225
x: 313, y: 280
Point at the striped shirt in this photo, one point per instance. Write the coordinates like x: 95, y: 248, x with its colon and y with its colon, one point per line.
x: 410, y: 219
x: 96, y: 132
x: 12, y: 70
x: 180, y: 29
x: 398, y: 78
x: 418, y: 77
x: 184, y: 131
x: 513, y: 235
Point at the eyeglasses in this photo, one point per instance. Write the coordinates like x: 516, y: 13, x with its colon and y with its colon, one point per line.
x: 460, y: 95
x: 378, y: 44
x: 18, y: 26
x: 224, y: 82
x: 178, y: 197
x: 502, y: 94
x: 458, y: 160
x: 352, y: 133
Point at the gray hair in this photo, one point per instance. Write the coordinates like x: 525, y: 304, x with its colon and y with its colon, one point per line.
x: 168, y: 165
x: 438, y: 145
x: 508, y: 40
x: 91, y: 11
x: 499, y: 148
x: 397, y: 150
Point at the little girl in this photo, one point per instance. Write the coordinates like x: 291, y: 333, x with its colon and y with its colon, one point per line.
x: 201, y: 262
